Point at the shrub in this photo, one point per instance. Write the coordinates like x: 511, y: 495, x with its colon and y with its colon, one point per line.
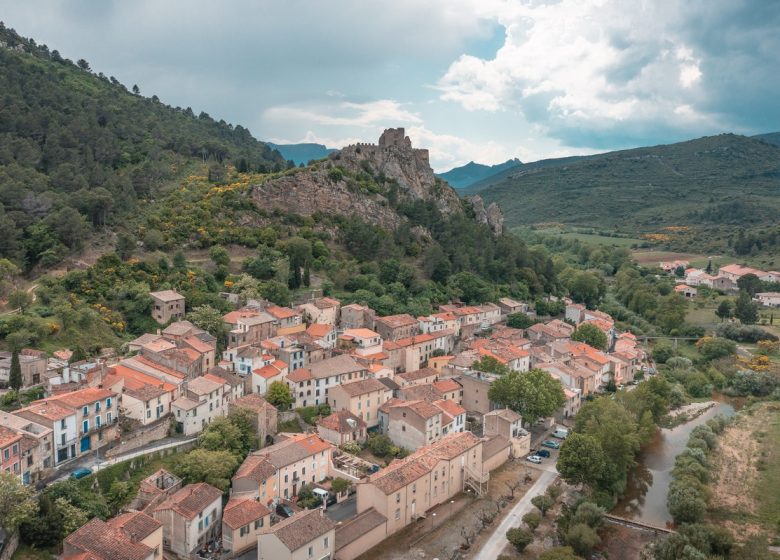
x: 663, y: 351
x: 582, y: 539
x: 519, y: 538
x: 713, y: 348
x: 685, y: 503
x: 744, y: 333
x: 351, y: 447
x: 532, y: 519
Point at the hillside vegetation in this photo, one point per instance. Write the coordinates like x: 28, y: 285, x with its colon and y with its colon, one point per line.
x: 78, y: 151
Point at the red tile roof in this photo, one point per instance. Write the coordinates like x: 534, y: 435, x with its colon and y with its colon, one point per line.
x: 243, y: 511
x: 191, y: 500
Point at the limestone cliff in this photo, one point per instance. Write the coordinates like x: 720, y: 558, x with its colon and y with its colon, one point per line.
x: 367, y: 181
x: 491, y: 216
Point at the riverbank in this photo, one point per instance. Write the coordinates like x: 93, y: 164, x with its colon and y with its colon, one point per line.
x: 745, y: 474
x: 687, y: 412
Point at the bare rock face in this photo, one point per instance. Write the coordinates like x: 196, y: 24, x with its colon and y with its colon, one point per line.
x: 491, y: 216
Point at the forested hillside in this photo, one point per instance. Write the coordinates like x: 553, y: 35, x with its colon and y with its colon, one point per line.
x: 79, y: 151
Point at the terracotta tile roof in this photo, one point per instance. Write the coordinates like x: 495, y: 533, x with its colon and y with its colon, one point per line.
x: 8, y: 436
x: 83, y: 397
x: 302, y: 528
x: 136, y: 378
x: 319, y: 330
x: 360, y: 333
x: 506, y: 413
x: 159, y: 345
x: 191, y: 500
x: 401, y: 473
x: 493, y: 445
x: 423, y: 392
x: 289, y: 451
x: 49, y: 409
x: 358, y: 526
x: 239, y: 512
x: 185, y: 404
x: 397, y: 321
x: 362, y: 386
x: 198, y: 345
x: 450, y: 407
x: 135, y: 525
x: 205, y: 384
x: 255, y: 467
x: 343, y: 422
x: 281, y: 312
x: 166, y: 295
x: 233, y: 317
x: 419, y: 374
x: 253, y: 401
x: 299, y: 375
x: 337, y: 365
x: 180, y: 328
x: 144, y: 364
x: 423, y: 409
x: 105, y: 542
x: 389, y: 383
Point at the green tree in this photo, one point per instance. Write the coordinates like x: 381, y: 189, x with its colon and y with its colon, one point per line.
x: 223, y: 435
x: 590, y: 335
x: 725, y: 310
x: 532, y: 519
x: 590, y: 514
x: 20, y: 299
x: 72, y: 516
x: 582, y: 539
x: 662, y: 351
x: 275, y: 292
x: 471, y: 288
x: 713, y: 348
x: 203, y: 465
x: 581, y: 459
x: 749, y: 283
x: 534, y: 394
x: 15, y: 380
x: 279, y: 395
x: 559, y: 553
x: 340, y: 485
x: 179, y: 260
x: 219, y: 256
x: 17, y: 502
x: 125, y: 246
x: 587, y: 287
x: 519, y: 538
x: 745, y: 309
x: 685, y: 503
x: 78, y: 355
x: 153, y: 239
x: 209, y: 319
x: 671, y: 312
x: 489, y: 364
x: 519, y: 321
x: 543, y: 503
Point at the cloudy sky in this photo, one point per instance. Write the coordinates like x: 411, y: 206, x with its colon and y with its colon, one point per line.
x: 481, y: 80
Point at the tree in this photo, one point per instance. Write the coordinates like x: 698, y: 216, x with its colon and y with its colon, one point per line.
x: 78, y: 355
x: 213, y: 467
x: 590, y: 514
x: 559, y: 553
x: 136, y: 89
x: 15, y: 380
x: 590, y: 335
x: 679, y: 272
x: 713, y: 348
x: 685, y: 503
x: 519, y: 321
x: 671, y: 312
x: 279, y: 395
x: 512, y: 486
x: 725, y: 310
x: 543, y: 503
x: 749, y: 283
x: 532, y: 519
x: 745, y: 309
x: 519, y: 538
x: 587, y: 287
x: 209, y: 319
x: 581, y: 459
x: 662, y: 351
x: 340, y: 485
x: 582, y: 539
x: 489, y: 364
x: 219, y: 256
x: 224, y: 435
x: 20, y: 299
x: 71, y: 516
x: 125, y: 246
x: 17, y: 502
x: 179, y: 260
x: 275, y: 292
x: 533, y: 394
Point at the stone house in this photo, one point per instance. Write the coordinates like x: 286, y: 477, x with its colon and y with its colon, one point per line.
x: 768, y: 299
x: 289, y: 320
x: 249, y: 326
x: 201, y: 403
x: 61, y: 420
x: 312, y: 385
x: 439, y: 322
x: 321, y: 310
x: 264, y: 415
x: 508, y: 424
x: 279, y: 470
x: 342, y: 427
x: 362, y: 398
x: 408, y: 354
x: 406, y: 489
x: 361, y: 342
x: 167, y: 305
x: 144, y: 398
x: 356, y: 316
x: 323, y: 333
x: 10, y: 451
x: 411, y: 424
x: 190, y: 517
x: 509, y: 306
x: 36, y: 447
x: 417, y: 377
x: 128, y: 536
x: 33, y: 364
x: 243, y: 519
x: 307, y: 535
x: 97, y: 414
x: 263, y: 377
x: 395, y: 327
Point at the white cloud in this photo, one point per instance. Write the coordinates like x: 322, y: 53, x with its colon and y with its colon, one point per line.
x: 346, y: 113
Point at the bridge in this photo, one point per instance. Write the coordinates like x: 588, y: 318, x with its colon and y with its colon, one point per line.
x: 637, y: 524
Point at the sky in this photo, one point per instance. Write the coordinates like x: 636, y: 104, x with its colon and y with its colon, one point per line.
x: 471, y: 80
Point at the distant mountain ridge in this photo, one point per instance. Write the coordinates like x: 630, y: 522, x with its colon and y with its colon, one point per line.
x: 471, y: 173
x: 713, y: 181
x: 771, y: 137
x: 302, y: 153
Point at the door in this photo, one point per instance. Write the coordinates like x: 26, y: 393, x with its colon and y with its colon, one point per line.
x: 85, y: 444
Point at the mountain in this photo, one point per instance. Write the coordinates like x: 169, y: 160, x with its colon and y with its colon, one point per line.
x: 725, y: 180
x: 302, y: 153
x: 771, y: 137
x: 79, y: 152
x: 521, y: 168
x: 465, y: 176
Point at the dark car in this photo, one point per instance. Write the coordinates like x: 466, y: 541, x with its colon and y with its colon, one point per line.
x: 551, y: 444
x: 373, y: 468
x: 331, y: 499
x: 543, y: 453
x: 283, y: 510
x: 80, y: 473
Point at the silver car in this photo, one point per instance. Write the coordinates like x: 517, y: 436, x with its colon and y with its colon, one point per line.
x: 534, y: 459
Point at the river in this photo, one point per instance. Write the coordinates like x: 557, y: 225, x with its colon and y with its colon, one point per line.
x: 648, y: 482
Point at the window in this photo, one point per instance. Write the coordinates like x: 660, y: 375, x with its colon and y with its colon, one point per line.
x: 62, y: 424
x: 244, y: 531
x: 325, y: 542
x: 85, y: 411
x: 259, y: 523
x: 97, y: 421
x: 85, y: 426
x: 398, y: 513
x: 311, y: 551
x: 97, y: 406
x: 398, y: 498
x: 6, y: 454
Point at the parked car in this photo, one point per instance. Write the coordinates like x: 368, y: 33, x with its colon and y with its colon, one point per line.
x: 551, y: 444
x: 332, y: 499
x: 373, y: 468
x: 560, y: 432
x: 80, y: 473
x: 534, y: 459
x: 543, y: 453
x: 283, y: 510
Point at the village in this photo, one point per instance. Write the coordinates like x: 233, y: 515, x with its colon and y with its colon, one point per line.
x: 422, y: 383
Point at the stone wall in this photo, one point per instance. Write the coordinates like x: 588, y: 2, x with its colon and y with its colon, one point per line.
x: 140, y: 437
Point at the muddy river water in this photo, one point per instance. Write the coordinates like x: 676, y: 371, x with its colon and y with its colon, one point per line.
x: 648, y: 482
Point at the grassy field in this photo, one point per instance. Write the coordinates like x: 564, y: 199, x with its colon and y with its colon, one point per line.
x: 592, y: 238
x: 652, y: 258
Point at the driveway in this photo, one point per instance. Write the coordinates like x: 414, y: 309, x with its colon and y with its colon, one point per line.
x: 343, y: 511
x: 497, y: 541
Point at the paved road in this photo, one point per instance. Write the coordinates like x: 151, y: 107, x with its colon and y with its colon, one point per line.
x: 344, y: 511
x: 497, y: 541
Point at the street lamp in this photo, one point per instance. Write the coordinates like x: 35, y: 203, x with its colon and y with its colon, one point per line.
x: 433, y: 520
x: 451, y: 504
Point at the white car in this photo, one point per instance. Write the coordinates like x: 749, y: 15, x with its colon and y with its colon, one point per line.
x: 534, y: 459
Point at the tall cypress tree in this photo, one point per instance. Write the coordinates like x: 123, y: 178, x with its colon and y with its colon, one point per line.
x: 15, y: 375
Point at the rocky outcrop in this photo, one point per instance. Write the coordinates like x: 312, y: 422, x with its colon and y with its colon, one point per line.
x: 491, y: 216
